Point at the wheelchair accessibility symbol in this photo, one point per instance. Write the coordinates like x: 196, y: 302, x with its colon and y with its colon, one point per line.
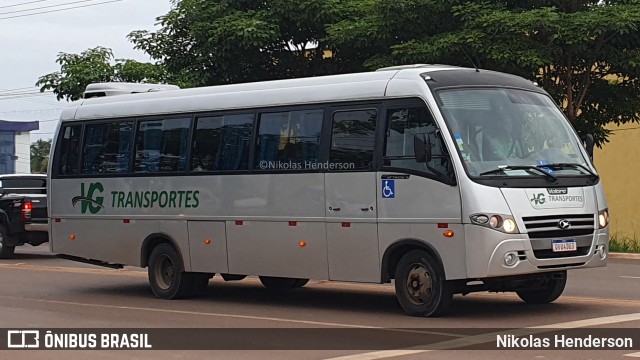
x: 388, y: 189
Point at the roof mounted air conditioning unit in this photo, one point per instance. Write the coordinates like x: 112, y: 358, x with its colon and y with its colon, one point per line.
x: 123, y: 88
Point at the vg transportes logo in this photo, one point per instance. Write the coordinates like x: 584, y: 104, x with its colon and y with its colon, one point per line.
x: 538, y: 199
x: 90, y: 201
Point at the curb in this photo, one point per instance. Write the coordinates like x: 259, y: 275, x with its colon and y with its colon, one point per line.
x: 628, y: 256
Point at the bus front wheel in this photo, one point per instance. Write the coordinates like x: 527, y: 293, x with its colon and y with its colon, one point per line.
x: 280, y: 283
x: 546, y: 291
x: 167, y: 279
x: 420, y: 285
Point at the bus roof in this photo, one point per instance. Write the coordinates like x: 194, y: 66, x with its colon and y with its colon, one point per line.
x: 332, y: 88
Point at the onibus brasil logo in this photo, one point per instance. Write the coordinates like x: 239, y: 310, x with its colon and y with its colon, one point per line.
x: 89, y: 200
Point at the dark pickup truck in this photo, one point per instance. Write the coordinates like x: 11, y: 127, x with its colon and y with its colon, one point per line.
x: 23, y: 212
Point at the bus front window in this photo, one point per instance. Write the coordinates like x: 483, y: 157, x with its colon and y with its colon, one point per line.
x: 497, y: 129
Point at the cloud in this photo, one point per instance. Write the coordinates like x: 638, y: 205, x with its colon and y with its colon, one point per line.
x: 29, y: 45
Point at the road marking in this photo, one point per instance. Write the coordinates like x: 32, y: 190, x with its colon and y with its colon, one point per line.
x: 633, y: 355
x: 564, y: 298
x: 249, y: 317
x: 379, y: 355
x: 490, y: 337
x: 118, y: 272
x: 630, y: 277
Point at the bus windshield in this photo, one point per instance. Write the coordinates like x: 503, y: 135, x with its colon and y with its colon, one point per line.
x: 508, y: 132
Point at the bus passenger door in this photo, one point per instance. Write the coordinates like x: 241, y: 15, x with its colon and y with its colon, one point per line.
x: 418, y: 200
x: 350, y: 188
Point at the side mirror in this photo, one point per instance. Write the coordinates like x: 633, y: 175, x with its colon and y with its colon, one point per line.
x: 589, y: 143
x: 422, y: 147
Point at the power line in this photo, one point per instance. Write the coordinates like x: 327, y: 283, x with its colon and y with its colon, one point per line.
x: 32, y: 100
x: 35, y: 101
x: 56, y: 10
x: 24, y: 3
x: 32, y: 110
x: 24, y: 92
x: 22, y: 88
x: 44, y: 7
x: 13, y: 97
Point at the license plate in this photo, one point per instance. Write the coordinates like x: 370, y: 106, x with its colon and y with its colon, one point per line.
x: 564, y: 245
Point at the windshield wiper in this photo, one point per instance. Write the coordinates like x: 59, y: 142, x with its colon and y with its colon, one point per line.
x: 570, y: 166
x: 501, y: 169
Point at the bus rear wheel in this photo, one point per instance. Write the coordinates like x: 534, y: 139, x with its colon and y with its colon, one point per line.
x: 167, y: 279
x: 6, y: 251
x: 420, y: 285
x: 281, y: 283
x: 547, y: 291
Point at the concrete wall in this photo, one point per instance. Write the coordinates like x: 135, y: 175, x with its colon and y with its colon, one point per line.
x: 618, y: 163
x: 23, y: 152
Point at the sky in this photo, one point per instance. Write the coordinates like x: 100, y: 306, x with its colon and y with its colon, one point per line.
x: 30, y: 43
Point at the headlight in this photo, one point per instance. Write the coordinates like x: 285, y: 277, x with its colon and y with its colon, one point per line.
x: 509, y: 226
x: 603, y: 218
x: 502, y: 223
x: 495, y: 221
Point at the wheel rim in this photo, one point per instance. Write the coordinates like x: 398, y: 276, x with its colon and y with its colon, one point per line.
x: 419, y: 285
x: 165, y: 272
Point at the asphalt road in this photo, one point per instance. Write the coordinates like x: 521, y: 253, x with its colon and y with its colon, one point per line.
x: 41, y: 291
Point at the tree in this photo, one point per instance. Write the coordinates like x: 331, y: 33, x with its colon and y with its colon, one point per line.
x: 585, y: 53
x: 94, y: 66
x: 40, y: 156
x: 230, y: 41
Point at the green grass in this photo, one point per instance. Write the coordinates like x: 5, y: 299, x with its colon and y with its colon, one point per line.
x: 624, y: 244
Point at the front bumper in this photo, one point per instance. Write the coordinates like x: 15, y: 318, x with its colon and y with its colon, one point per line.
x: 486, y: 250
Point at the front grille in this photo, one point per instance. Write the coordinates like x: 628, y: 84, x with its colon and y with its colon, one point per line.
x: 543, y: 229
x: 540, y: 227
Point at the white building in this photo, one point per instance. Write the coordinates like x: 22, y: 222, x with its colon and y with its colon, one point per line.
x: 15, y: 143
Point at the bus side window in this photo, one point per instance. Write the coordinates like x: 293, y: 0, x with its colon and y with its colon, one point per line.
x: 161, y: 145
x: 106, y: 148
x: 402, y: 126
x: 353, y: 139
x: 70, y: 150
x: 222, y: 143
x: 289, y: 137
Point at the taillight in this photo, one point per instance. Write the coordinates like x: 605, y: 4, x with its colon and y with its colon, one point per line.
x: 26, y: 211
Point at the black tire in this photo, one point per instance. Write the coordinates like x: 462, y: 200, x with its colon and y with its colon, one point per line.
x: 281, y: 283
x: 421, y: 287
x: 546, y: 292
x: 167, y: 279
x: 6, y: 251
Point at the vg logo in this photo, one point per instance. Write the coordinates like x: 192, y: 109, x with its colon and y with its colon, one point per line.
x: 538, y: 199
x: 90, y: 201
